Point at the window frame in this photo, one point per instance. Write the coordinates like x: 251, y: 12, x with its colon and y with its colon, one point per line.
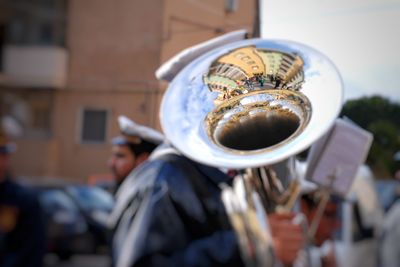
x: 81, y: 120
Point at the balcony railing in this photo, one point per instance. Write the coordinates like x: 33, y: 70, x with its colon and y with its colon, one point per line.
x: 35, y: 66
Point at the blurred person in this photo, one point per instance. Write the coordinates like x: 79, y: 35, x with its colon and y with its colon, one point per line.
x: 389, y: 253
x: 329, y: 221
x: 360, y: 222
x: 322, y: 250
x: 22, y: 225
x: 131, y: 148
x: 363, y: 222
x: 396, y: 160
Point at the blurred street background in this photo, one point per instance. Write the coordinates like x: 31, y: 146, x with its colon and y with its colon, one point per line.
x: 69, y: 68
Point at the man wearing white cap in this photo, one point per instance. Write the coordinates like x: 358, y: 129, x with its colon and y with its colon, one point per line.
x: 131, y: 148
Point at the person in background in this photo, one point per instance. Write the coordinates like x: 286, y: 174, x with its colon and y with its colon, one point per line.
x: 396, y: 160
x: 322, y: 252
x: 22, y: 224
x: 131, y: 148
x: 389, y: 249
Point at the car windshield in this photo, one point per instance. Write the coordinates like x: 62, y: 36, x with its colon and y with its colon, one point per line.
x: 90, y: 198
x: 55, y: 199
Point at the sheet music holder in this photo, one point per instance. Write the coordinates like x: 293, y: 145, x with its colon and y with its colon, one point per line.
x: 334, y: 159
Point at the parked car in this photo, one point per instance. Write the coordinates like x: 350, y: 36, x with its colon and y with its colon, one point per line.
x: 77, y: 217
x: 95, y: 204
x: 65, y: 224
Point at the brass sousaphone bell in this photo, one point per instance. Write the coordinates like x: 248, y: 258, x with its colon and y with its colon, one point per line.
x: 251, y: 104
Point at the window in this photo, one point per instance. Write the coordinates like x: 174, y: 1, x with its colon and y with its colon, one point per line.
x: 36, y: 22
x: 231, y: 5
x: 94, y: 125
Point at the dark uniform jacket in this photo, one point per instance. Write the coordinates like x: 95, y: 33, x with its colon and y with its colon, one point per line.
x: 22, y: 229
x: 172, y: 215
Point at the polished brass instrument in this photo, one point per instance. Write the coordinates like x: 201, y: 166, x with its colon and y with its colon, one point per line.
x: 251, y: 106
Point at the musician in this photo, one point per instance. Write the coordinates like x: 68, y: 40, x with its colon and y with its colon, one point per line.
x: 131, y: 148
x: 178, y: 218
x: 323, y: 251
x: 328, y: 222
x: 182, y: 210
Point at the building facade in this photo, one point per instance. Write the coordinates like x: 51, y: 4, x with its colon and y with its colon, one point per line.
x: 69, y: 68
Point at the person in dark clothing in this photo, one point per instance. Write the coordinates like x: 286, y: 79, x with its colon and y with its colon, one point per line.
x: 173, y: 215
x: 129, y: 150
x: 22, y: 226
x: 175, y: 219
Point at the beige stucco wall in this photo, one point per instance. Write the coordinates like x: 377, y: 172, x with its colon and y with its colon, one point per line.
x: 186, y: 23
x: 77, y: 159
x: 114, y: 48
x: 113, y: 44
x: 35, y: 158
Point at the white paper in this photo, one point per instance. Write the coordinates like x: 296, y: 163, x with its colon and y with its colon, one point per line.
x: 335, y: 158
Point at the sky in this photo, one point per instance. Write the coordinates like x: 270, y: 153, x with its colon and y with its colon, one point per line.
x: 361, y: 37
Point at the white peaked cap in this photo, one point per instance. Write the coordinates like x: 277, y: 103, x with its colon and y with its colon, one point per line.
x: 130, y: 128
x: 11, y: 126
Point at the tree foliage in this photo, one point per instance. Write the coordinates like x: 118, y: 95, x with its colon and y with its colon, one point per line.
x: 381, y: 117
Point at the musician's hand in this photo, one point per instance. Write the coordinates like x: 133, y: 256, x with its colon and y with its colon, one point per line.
x: 288, y: 238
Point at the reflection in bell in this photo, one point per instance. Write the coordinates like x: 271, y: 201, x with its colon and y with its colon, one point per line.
x: 259, y: 121
x: 260, y: 131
